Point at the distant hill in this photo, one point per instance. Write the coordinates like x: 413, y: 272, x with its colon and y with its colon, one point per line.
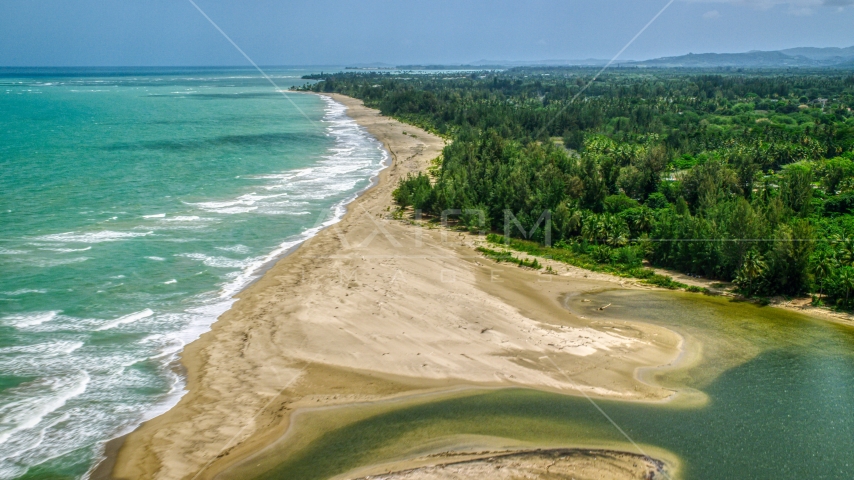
x: 793, y: 57
x: 820, y: 53
x: 803, y: 57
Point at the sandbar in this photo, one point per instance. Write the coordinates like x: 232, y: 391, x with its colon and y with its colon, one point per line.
x: 377, y: 307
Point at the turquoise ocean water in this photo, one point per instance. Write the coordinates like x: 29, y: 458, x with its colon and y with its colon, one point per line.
x: 133, y: 205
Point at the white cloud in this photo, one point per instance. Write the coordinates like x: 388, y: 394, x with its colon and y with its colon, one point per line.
x: 796, y: 7
x: 712, y: 14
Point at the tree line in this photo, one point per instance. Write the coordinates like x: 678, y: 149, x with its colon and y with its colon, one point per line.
x: 744, y: 177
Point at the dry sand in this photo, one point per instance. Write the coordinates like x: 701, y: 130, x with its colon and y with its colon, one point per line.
x: 373, y: 308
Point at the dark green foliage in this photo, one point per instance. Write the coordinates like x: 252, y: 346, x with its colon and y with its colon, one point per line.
x: 836, y: 174
x: 840, y: 203
x: 685, y: 162
x: 656, y: 200
x: 573, y: 139
x: 619, y: 203
x: 723, y: 176
x: 630, y: 256
x: 796, y: 188
x: 414, y: 191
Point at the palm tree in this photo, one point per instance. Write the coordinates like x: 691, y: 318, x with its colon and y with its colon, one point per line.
x: 844, y: 249
x: 846, y: 279
x: 752, y: 268
x: 643, y: 222
x: 594, y: 229
x: 576, y: 220
x: 614, y: 231
x: 822, y: 268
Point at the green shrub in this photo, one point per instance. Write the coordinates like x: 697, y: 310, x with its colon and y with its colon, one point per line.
x: 684, y: 162
x: 629, y: 257
x: 618, y: 203
x: 601, y: 254
x: 656, y: 200
x: 840, y: 203
x: 497, y: 256
x: 642, y: 273
x: 664, y: 281
x: 415, y: 191
x: 476, y: 219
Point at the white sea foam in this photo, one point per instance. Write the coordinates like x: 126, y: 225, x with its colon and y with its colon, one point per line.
x: 24, y: 291
x: 170, y: 282
x: 5, y: 251
x: 30, y: 406
x: 65, y: 250
x: 349, y: 162
x: 55, y: 262
x: 91, y: 237
x: 26, y: 445
x: 133, y: 317
x: 235, y: 249
x: 197, y: 320
x: 217, y: 262
x: 25, y: 320
x: 348, y: 136
x: 118, y: 392
x: 243, y: 204
x: 44, y: 349
x: 156, y: 215
x: 281, y: 177
x: 285, y: 212
x: 156, y: 259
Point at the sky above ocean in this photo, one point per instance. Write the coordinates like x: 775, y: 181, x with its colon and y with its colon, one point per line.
x: 326, y: 32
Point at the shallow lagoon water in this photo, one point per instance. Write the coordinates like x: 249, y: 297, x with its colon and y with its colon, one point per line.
x: 779, y: 387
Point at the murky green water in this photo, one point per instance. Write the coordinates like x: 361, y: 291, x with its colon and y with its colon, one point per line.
x: 780, y: 388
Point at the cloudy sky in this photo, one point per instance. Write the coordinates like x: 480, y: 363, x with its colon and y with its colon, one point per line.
x: 339, y: 32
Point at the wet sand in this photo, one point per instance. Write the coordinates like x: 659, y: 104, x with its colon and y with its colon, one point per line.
x: 577, y: 464
x: 374, y: 308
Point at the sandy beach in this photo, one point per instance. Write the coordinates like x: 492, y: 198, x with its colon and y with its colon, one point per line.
x: 374, y: 308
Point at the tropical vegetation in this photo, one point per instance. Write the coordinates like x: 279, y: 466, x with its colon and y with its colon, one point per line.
x: 739, y: 176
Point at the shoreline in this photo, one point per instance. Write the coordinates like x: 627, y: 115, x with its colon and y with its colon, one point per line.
x: 344, y: 204
x: 103, y: 469
x: 294, y: 337
x: 312, y: 422
x: 801, y: 304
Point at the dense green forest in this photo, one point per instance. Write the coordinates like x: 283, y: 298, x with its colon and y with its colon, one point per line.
x: 739, y: 176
